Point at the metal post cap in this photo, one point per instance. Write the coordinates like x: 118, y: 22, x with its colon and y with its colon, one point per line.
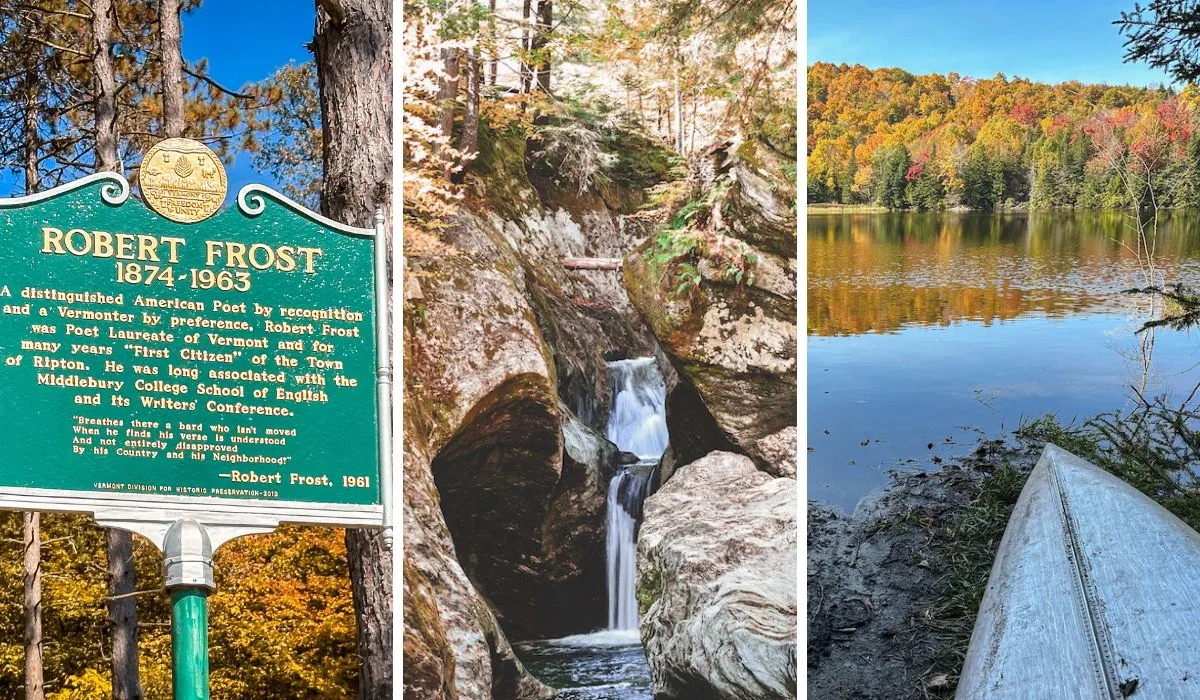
x: 188, y: 556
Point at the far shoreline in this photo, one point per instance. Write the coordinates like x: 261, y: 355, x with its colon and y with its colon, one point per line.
x: 1018, y: 208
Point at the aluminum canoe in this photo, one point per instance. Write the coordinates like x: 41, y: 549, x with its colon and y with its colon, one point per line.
x: 1094, y: 595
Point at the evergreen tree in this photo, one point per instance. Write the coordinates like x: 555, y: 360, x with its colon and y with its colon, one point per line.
x: 925, y: 191
x: 889, y: 168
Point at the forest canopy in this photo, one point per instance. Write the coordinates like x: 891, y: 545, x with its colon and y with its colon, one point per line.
x: 888, y: 137
x: 571, y: 76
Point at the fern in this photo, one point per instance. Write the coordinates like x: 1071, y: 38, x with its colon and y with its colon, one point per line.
x: 689, y: 278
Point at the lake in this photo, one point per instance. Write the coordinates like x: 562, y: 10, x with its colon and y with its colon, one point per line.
x: 937, y: 329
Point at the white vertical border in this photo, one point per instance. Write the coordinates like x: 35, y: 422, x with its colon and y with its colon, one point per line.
x: 399, y: 64
x: 802, y: 350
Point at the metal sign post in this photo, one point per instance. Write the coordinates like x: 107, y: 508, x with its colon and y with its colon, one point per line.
x: 383, y: 374
x: 188, y: 557
x: 189, y: 374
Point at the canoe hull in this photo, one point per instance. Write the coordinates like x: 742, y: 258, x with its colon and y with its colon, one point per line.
x: 1095, y: 593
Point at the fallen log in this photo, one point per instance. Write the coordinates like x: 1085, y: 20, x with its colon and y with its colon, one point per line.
x: 592, y: 263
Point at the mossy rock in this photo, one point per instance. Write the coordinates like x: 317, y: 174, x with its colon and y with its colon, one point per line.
x: 649, y: 588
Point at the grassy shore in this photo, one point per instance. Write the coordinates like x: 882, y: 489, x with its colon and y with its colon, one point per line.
x: 894, y: 587
x: 830, y: 208
x: 834, y: 208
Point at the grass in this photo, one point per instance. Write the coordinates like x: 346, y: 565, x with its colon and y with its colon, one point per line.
x: 962, y: 549
x: 832, y: 208
x: 1155, y: 447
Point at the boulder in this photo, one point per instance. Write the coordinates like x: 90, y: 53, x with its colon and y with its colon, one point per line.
x: 762, y: 201
x: 717, y: 582
x: 778, y: 452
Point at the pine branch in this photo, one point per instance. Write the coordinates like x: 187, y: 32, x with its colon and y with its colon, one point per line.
x: 222, y: 88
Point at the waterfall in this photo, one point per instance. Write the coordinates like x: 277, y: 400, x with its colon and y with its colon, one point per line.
x: 637, y: 423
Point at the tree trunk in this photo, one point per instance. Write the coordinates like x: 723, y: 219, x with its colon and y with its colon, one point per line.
x: 468, y: 144
x: 678, y: 112
x: 122, y: 613
x: 169, y: 42
x: 494, y: 63
x: 31, y: 522
x: 592, y: 263
x: 692, y: 131
x: 107, y: 154
x: 354, y: 64
x: 122, y: 608
x: 371, y: 584
x: 541, y: 40
x: 31, y: 534
x: 30, y: 137
x: 448, y: 89
x: 526, y: 47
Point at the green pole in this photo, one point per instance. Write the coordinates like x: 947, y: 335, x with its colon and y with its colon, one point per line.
x: 189, y: 642
x: 187, y: 554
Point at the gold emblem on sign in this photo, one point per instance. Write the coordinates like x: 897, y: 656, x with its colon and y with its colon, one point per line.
x: 183, y: 180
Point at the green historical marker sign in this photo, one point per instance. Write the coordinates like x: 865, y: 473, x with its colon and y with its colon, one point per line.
x: 223, y: 365
x: 190, y: 375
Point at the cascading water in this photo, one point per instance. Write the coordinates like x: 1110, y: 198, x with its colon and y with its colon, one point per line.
x: 637, y: 423
x: 611, y: 664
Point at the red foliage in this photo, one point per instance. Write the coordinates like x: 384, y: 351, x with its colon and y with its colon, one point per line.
x: 1122, y: 118
x: 1148, y: 149
x: 914, y: 172
x: 1175, y: 120
x: 1025, y: 113
x: 1057, y: 123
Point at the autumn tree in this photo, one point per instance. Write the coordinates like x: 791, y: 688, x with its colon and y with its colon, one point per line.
x: 890, y: 169
x: 996, y: 141
x: 924, y: 190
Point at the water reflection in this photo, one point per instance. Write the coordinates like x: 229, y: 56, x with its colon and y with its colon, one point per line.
x: 882, y: 272
x: 926, y: 330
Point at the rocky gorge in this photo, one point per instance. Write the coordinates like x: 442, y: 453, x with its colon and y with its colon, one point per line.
x: 510, y: 463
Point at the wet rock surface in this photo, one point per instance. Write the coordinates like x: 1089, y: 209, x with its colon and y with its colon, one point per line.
x: 717, y: 580
x: 452, y: 647
x: 573, y: 536
x: 495, y: 511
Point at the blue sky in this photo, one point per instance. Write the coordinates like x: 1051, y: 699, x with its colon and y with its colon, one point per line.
x: 1043, y: 41
x: 244, y: 42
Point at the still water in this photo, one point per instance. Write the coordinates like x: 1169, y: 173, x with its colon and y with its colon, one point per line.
x: 938, y: 328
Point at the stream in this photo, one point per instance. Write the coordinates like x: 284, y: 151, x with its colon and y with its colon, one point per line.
x: 610, y: 664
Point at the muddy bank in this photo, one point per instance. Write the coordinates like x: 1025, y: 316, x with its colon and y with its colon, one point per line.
x: 882, y: 581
